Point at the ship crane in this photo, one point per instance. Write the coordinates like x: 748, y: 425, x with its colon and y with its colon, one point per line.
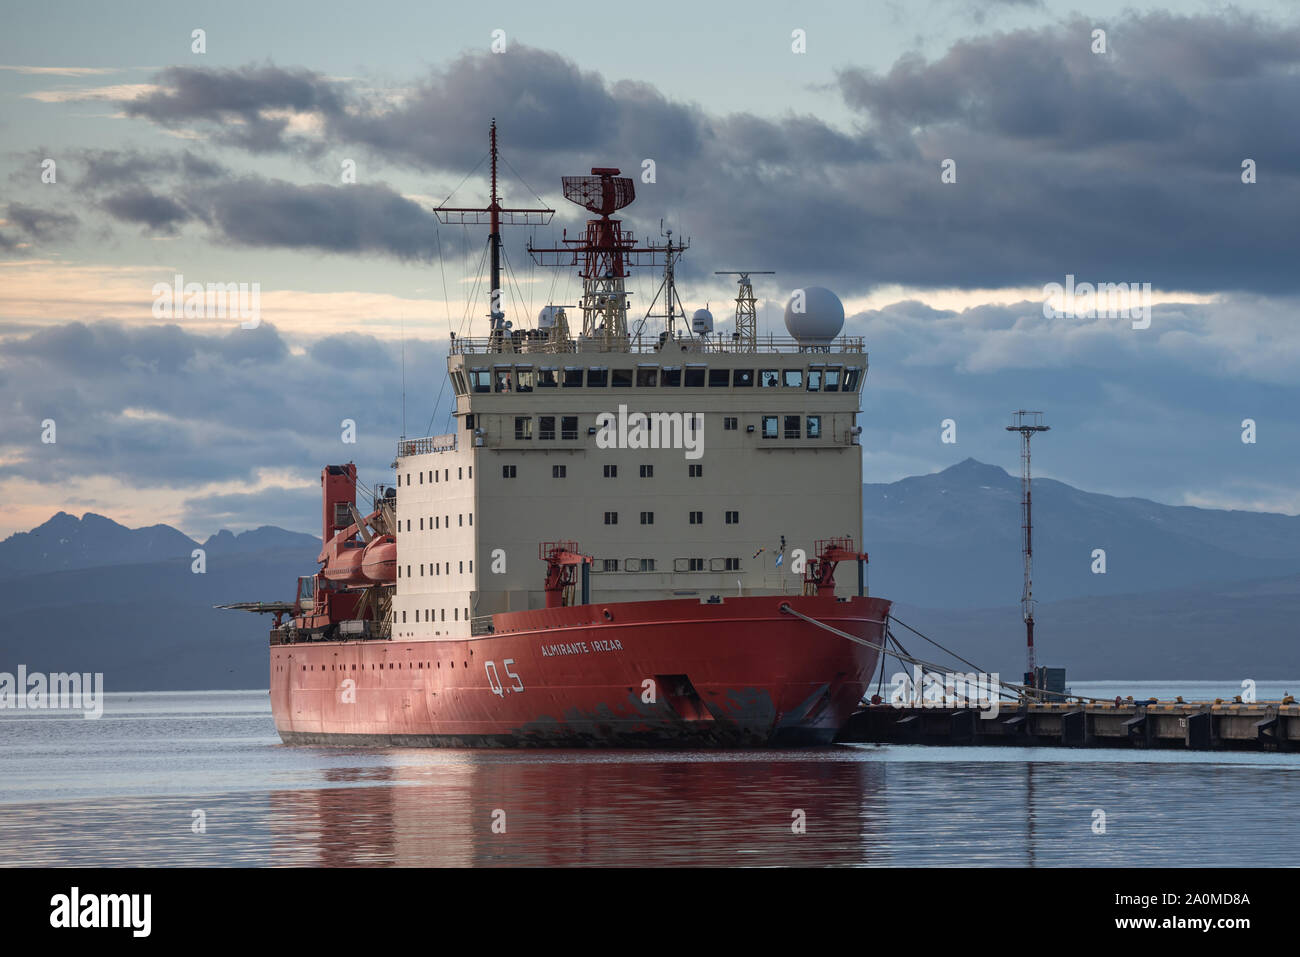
x: 562, y: 559
x: 819, y: 574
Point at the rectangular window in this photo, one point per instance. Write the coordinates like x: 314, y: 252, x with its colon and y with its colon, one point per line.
x: 611, y: 471
x: 647, y: 518
x: 611, y: 518
x: 769, y: 426
x: 733, y: 564
x: 792, y: 378
x: 559, y: 471
x: 547, y: 378
x: 815, y: 379
x: 647, y: 471
x: 792, y: 429
x: 769, y: 378
x: 743, y: 378
x: 730, y: 423
x: 695, y: 377
x: 545, y: 428
x: 621, y: 378
x: 421, y: 524
x: 647, y: 376
x: 502, y: 379
x: 610, y: 565
x: 597, y: 377
x: 695, y: 471
x: 719, y: 378
x: 696, y: 565
x: 569, y: 427
x: 469, y: 422
x: 524, y: 379
x: 670, y: 376
x: 814, y: 426
x: 523, y: 427
x: 481, y: 380
x: 733, y: 518
x: 851, y: 376
x: 572, y: 377
x: 421, y: 474
x: 697, y: 518
x: 508, y: 471
x: 832, y: 380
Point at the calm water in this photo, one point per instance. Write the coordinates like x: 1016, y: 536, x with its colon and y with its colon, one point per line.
x: 125, y: 790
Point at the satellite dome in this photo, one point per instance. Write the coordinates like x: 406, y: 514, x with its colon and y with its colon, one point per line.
x: 820, y: 316
x: 702, y: 322
x: 546, y: 318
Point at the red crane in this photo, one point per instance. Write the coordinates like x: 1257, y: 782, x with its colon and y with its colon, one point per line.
x: 562, y: 559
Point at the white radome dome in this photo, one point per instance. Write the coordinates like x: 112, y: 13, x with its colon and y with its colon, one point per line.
x: 702, y: 321
x: 546, y: 318
x: 822, y: 317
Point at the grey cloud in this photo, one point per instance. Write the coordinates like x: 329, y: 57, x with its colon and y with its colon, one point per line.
x: 143, y: 206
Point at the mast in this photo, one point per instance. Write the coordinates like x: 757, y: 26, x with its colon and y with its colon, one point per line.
x: 495, y: 215
x: 602, y: 255
x: 1027, y: 423
x: 746, y: 332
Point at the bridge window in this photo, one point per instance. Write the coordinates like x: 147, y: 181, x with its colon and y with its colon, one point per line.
x: 742, y: 378
x: 502, y: 378
x: 695, y: 377
x: 572, y: 377
x: 481, y: 380
x: 769, y: 378
x: 547, y: 378
x: 792, y: 378
x: 647, y: 376
x: 769, y: 426
x: 621, y: 378
x: 832, y: 379
x: 851, y: 376
x: 524, y: 379
x: 597, y: 377
x: 719, y: 378
x: 815, y: 379
x: 792, y: 429
x: 671, y: 376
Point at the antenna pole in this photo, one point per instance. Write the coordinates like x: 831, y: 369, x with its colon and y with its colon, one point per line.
x: 494, y: 237
x: 746, y: 309
x: 1027, y: 423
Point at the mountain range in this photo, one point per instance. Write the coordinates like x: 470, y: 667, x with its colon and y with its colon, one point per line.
x: 1188, y: 593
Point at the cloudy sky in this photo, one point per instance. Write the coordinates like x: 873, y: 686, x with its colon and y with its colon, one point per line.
x: 1122, y: 165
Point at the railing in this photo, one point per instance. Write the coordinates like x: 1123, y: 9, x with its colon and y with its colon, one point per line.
x: 518, y: 344
x: 430, y: 443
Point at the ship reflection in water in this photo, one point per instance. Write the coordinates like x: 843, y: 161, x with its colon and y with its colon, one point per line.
x: 564, y: 810
x: 201, y: 779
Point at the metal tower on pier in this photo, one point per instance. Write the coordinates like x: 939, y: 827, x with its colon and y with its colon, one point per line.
x: 1027, y: 423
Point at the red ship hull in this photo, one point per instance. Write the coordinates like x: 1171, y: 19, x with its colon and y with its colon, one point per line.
x: 737, y: 672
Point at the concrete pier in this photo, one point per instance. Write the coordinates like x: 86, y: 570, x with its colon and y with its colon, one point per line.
x: 1195, y: 725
